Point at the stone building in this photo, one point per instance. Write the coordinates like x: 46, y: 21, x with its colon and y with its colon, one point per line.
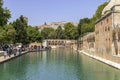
x: 55, y: 25
x: 59, y: 43
x: 107, y: 29
x: 43, y: 26
x: 89, y: 41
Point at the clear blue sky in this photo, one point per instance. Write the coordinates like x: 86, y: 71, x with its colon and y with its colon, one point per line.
x: 40, y: 11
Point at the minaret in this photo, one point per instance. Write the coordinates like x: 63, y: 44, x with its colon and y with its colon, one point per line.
x: 110, y: 5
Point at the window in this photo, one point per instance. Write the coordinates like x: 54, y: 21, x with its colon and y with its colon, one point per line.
x: 105, y: 28
x: 107, y: 20
x: 106, y: 39
x: 109, y: 39
x: 108, y: 28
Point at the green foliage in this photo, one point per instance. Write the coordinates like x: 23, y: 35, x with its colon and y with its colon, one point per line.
x: 2, y: 36
x: 20, y: 26
x: 98, y: 13
x: 7, y: 34
x: 83, y: 25
x: 33, y: 35
x: 48, y: 33
x: 20, y: 32
x: 70, y: 31
x: 60, y: 33
x: 26, y: 34
x: 4, y: 14
x: 52, y: 35
x: 10, y: 33
x: 88, y: 24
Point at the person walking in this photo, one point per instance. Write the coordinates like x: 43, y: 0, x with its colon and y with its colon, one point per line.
x: 14, y: 50
x: 9, y: 50
x: 18, y: 50
x: 4, y: 48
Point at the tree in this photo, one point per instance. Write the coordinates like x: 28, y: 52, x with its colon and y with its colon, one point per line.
x: 4, y: 14
x: 39, y: 38
x: 7, y: 34
x: 70, y: 31
x: 98, y: 12
x: 2, y: 36
x: 59, y: 33
x: 10, y: 33
x: 20, y: 26
x: 52, y: 35
x: 33, y: 35
x: 48, y: 33
x: 82, y: 26
x: 88, y: 24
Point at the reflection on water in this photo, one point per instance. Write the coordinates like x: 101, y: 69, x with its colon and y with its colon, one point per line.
x: 59, y: 64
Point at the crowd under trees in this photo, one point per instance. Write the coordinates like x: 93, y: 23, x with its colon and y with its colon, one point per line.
x: 19, y: 31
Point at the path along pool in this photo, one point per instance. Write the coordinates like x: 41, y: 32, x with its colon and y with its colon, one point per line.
x: 57, y: 64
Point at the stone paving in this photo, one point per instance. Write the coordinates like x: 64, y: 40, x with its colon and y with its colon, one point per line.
x: 2, y: 59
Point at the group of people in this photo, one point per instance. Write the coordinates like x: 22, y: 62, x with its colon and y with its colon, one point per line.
x: 8, y: 50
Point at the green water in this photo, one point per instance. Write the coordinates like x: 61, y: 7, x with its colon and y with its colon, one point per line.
x: 58, y: 64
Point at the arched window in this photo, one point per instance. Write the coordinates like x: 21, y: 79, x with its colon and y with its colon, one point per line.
x: 107, y: 20
x: 108, y: 28
x: 105, y: 29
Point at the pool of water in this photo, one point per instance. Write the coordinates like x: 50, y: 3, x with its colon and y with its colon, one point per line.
x: 59, y: 64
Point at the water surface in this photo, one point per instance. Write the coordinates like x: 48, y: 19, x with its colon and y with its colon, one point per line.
x: 59, y: 64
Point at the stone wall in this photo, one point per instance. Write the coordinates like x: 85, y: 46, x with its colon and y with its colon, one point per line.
x: 89, y: 41
x: 107, y: 34
x: 60, y: 43
x: 103, y: 35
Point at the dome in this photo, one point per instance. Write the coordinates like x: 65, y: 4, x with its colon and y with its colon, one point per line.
x: 111, y: 3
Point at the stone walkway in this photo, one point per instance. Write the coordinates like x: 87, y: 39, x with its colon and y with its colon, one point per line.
x: 111, y: 63
x: 2, y: 59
